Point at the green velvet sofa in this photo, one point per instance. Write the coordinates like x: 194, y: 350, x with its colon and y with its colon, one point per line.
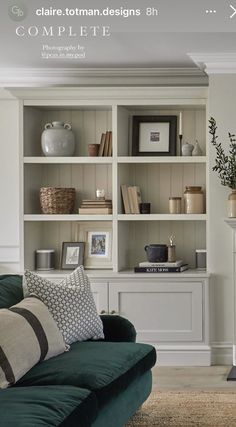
x: 97, y: 383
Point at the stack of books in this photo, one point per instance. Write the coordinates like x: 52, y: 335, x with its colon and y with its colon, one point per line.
x: 96, y: 207
x: 131, y: 197
x: 161, y: 267
x: 105, y: 147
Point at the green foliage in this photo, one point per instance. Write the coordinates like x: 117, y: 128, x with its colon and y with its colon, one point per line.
x: 225, y: 165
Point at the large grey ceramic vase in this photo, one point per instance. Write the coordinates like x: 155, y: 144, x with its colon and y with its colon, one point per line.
x: 58, y: 140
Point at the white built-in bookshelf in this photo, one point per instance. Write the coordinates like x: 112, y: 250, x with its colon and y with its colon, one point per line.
x: 158, y: 177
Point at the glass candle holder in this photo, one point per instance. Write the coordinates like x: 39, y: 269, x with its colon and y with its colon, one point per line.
x: 100, y: 194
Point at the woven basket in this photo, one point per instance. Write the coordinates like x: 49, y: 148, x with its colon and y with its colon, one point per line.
x: 55, y: 200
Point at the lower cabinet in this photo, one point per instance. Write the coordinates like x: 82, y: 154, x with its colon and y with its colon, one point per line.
x: 171, y: 313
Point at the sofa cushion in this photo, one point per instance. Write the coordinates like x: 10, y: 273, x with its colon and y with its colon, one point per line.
x: 103, y: 367
x: 11, y: 291
x: 28, y: 334
x: 48, y: 406
x: 71, y: 304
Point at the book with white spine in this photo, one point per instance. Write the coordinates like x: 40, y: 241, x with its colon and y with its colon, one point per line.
x: 177, y: 263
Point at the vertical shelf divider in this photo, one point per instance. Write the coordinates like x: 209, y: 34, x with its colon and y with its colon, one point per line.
x: 115, y: 187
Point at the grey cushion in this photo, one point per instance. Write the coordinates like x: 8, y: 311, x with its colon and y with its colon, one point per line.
x: 28, y: 334
x: 71, y: 304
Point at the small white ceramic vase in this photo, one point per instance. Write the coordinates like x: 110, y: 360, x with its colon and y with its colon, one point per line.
x: 187, y: 149
x: 197, y: 151
x: 58, y: 140
x: 232, y: 204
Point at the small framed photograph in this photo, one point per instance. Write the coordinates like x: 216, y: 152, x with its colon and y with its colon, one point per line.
x: 154, y: 135
x: 98, y: 243
x: 72, y: 255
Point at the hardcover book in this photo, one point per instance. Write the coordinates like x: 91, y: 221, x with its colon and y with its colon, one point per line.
x: 125, y: 197
x: 95, y: 211
x: 102, y: 143
x: 161, y: 269
x: 177, y: 263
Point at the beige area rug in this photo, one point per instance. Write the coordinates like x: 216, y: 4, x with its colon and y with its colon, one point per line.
x: 186, y: 409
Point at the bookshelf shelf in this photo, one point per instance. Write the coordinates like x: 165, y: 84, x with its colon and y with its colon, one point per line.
x: 68, y: 160
x: 43, y: 217
x: 162, y: 217
x: 173, y: 159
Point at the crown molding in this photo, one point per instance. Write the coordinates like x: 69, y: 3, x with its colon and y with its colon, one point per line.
x: 38, y: 77
x: 91, y: 95
x: 215, y: 63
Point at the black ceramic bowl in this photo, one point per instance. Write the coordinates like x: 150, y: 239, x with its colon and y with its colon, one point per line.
x: 156, y: 252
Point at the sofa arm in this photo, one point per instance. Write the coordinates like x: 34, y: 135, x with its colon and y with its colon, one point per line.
x: 118, y: 329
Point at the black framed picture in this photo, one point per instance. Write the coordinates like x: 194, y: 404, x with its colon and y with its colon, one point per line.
x: 154, y: 136
x: 72, y: 255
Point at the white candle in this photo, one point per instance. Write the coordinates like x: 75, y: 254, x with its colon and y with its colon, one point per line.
x: 180, y: 124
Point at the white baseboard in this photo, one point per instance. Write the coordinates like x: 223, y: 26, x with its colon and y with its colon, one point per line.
x: 219, y: 353
x: 177, y: 355
x: 222, y: 353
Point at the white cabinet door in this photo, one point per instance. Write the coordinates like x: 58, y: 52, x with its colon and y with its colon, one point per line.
x: 161, y: 311
x: 100, y: 294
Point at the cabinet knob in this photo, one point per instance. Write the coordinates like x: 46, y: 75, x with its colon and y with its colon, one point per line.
x: 102, y: 312
x: 113, y: 312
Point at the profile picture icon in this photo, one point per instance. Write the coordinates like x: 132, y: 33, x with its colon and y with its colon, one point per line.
x: 17, y: 11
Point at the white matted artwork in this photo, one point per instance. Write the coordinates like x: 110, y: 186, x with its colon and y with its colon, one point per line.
x: 98, y: 243
x: 154, y: 137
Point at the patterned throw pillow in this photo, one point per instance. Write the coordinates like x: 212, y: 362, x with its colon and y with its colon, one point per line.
x: 71, y: 304
x: 28, y: 335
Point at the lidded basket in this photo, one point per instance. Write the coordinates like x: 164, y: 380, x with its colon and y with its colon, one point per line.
x: 57, y: 200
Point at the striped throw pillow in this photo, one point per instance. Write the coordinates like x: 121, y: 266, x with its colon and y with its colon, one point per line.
x: 28, y: 335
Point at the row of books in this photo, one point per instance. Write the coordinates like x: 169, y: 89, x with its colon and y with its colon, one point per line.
x: 131, y: 197
x: 96, y: 207
x: 105, y: 147
x: 161, y: 267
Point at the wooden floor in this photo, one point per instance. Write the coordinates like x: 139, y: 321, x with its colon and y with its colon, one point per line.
x: 204, y: 378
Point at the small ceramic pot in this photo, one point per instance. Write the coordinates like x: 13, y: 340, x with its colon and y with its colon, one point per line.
x: 145, y: 208
x: 93, y: 150
x: 187, y: 149
x: 232, y: 204
x: 156, y: 252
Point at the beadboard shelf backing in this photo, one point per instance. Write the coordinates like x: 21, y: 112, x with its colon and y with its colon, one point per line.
x: 49, y: 235
x: 134, y: 236
x: 194, y: 124
x: 85, y: 178
x: 158, y: 182
x: 87, y: 125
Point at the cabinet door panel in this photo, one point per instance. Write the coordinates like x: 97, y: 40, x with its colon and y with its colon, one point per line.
x: 161, y: 312
x: 100, y: 295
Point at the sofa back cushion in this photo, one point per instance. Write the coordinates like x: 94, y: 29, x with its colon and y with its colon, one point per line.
x: 11, y: 291
x: 28, y: 335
